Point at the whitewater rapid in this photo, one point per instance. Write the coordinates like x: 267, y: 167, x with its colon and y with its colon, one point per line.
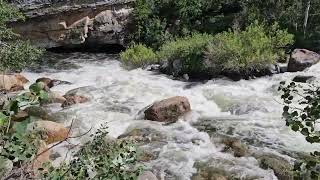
x: 247, y: 109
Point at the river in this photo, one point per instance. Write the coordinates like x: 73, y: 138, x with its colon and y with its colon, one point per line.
x: 248, y: 110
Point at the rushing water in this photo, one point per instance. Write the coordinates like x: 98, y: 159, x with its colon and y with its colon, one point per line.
x: 248, y: 110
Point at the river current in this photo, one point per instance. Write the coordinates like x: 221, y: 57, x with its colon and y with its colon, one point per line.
x: 248, y: 110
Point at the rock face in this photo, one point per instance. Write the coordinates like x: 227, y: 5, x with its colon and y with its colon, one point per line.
x: 13, y: 82
x: 168, y: 110
x: 302, y: 59
x: 69, y: 24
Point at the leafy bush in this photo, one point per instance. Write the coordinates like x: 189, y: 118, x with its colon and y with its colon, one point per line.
x: 99, y: 159
x: 188, y: 50
x: 244, y: 51
x: 158, y: 21
x: 301, y: 113
x: 14, y: 54
x: 138, y: 55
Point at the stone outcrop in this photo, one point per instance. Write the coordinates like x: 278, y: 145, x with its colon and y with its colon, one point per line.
x: 168, y: 110
x: 71, y: 24
x: 301, y: 59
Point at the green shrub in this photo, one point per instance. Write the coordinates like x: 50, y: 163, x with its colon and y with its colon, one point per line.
x: 14, y: 53
x: 157, y: 21
x: 243, y: 51
x: 100, y: 159
x: 138, y: 55
x: 189, y: 50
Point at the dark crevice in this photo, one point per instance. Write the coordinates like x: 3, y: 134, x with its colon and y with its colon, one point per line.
x: 105, y: 48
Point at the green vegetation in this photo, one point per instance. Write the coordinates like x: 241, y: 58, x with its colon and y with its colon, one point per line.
x: 301, y: 112
x: 104, y: 160
x: 138, y: 55
x: 238, y: 43
x: 189, y: 50
x: 243, y: 51
x: 14, y: 54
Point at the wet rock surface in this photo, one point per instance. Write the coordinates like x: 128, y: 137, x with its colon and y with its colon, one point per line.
x: 168, y: 110
x: 301, y: 59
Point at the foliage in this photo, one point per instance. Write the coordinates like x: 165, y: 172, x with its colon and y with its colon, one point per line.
x: 301, y: 112
x: 138, y: 55
x: 157, y: 21
x: 290, y: 14
x: 14, y: 54
x: 99, y: 159
x: 189, y: 50
x: 242, y: 51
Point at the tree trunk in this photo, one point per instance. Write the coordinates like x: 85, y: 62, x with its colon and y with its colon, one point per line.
x: 306, y: 17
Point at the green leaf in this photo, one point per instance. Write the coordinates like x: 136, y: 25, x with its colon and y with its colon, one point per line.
x: 295, y: 127
x: 44, y: 95
x: 3, y: 119
x: 36, y: 87
x: 21, y: 127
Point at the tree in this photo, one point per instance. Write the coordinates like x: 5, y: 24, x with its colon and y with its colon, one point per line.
x: 14, y: 53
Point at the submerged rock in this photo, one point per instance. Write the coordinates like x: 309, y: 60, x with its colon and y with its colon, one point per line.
x: 207, y: 172
x: 281, y: 167
x: 75, y: 99
x: 303, y: 79
x: 238, y: 148
x: 168, y: 110
x: 147, y: 175
x: 301, y: 59
x: 51, y: 82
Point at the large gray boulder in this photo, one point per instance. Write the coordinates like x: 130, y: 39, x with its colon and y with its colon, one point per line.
x: 301, y: 59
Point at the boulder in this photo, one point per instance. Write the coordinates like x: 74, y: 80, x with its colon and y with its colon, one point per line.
x: 147, y: 175
x: 52, y: 131
x: 281, y: 167
x: 12, y: 82
x: 73, y: 99
x: 168, y: 110
x: 303, y: 79
x: 301, y: 59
